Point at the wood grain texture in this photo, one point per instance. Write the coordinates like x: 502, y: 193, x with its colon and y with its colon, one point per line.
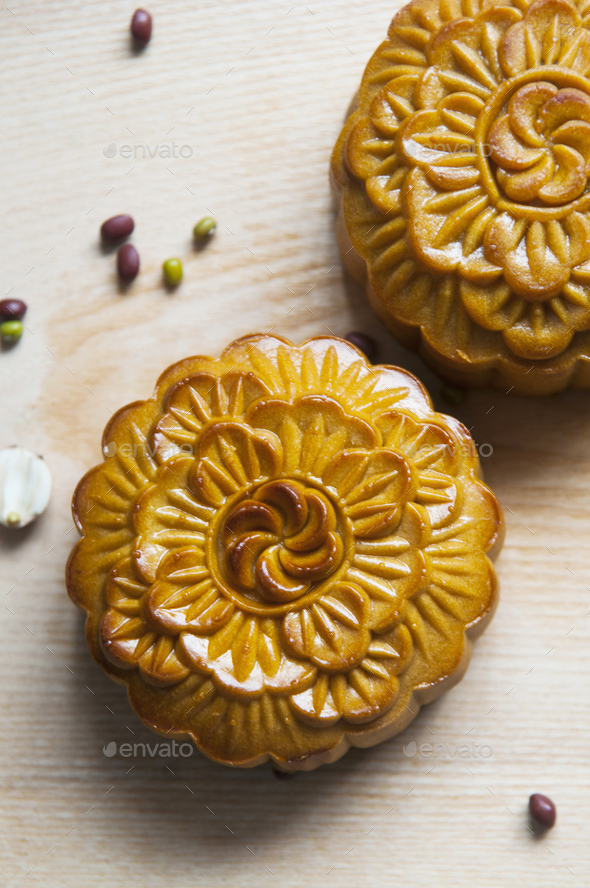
x: 258, y: 90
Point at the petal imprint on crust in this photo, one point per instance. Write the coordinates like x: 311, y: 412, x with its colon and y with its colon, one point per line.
x: 545, y: 31
x: 274, y: 581
x: 528, y: 184
x: 168, y: 516
x: 242, y: 554
x: 184, y: 596
x: 314, y: 565
x: 197, y: 401
x: 315, y: 427
x: 371, y: 687
x: 236, y: 672
x: 530, y: 268
x: 253, y: 515
x: 373, y: 487
x: 570, y: 179
x: 567, y: 104
x: 576, y: 134
x: 320, y: 521
x: 508, y: 151
x: 289, y: 499
x: 524, y: 108
x: 126, y: 637
x: 333, y: 632
x: 232, y: 455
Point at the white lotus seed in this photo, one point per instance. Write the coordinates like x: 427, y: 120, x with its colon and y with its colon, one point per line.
x: 25, y: 486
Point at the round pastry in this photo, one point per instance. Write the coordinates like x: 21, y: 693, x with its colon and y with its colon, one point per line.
x: 462, y: 180
x: 284, y: 552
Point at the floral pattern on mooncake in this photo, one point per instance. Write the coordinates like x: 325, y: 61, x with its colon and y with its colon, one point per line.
x: 282, y: 550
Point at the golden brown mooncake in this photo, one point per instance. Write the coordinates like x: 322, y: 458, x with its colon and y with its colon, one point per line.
x: 285, y: 552
x: 462, y: 182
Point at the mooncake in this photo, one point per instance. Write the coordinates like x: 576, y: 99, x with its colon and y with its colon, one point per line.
x: 461, y: 178
x: 285, y: 551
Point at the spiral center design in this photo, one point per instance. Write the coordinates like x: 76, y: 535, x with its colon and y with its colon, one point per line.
x: 281, y: 540
x: 541, y: 144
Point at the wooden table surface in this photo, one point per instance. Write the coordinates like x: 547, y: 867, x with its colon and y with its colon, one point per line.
x: 255, y: 93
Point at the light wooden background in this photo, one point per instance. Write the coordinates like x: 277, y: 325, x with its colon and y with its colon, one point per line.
x: 258, y: 90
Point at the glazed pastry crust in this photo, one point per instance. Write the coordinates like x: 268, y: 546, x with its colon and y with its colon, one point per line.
x: 461, y: 210
x: 285, y: 552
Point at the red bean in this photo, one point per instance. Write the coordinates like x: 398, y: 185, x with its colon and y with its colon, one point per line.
x: 127, y: 262
x: 364, y: 343
x: 542, y: 810
x: 12, y: 309
x: 116, y: 228
x: 141, y: 27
